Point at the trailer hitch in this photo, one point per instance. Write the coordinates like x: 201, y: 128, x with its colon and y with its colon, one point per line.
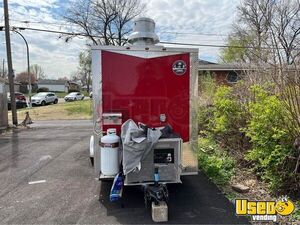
x: 156, y: 193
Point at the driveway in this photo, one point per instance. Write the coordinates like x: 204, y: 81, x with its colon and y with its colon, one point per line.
x: 46, y: 178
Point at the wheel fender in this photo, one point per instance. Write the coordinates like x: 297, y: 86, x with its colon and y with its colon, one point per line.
x: 92, y: 146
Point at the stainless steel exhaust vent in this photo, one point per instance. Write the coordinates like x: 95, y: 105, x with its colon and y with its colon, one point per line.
x: 143, y: 32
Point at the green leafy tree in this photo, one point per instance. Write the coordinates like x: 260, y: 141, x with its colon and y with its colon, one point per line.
x: 236, y: 50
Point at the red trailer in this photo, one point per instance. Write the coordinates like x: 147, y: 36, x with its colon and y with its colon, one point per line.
x: 153, y: 85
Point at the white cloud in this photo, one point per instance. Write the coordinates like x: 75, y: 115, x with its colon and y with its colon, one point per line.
x: 61, y: 59
x: 194, y: 16
x: 56, y: 57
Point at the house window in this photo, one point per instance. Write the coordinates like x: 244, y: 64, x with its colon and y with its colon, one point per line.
x: 232, y: 77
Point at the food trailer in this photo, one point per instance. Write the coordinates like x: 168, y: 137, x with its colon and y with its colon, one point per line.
x: 145, y: 112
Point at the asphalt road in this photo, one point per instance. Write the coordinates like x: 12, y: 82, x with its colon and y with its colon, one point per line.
x: 57, y: 152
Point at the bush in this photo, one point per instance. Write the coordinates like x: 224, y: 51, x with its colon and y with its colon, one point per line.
x: 254, y: 128
x: 214, y: 162
x: 271, y: 141
x: 229, y: 116
x: 42, y: 89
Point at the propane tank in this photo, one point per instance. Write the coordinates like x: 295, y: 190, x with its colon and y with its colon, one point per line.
x: 110, y: 153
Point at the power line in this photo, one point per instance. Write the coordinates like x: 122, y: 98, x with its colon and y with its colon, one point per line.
x: 162, y: 42
x: 43, y: 22
x: 192, y: 33
x: 162, y: 32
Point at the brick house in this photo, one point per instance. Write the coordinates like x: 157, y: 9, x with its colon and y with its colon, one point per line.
x: 223, y: 73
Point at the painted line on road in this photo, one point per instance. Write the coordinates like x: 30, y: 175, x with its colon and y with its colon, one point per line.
x: 37, y: 182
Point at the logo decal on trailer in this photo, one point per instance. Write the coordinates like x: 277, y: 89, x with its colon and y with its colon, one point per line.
x: 179, y: 67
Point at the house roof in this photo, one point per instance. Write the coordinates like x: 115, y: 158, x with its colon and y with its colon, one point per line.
x: 207, y: 66
x: 48, y: 81
x: 204, y: 65
x: 6, y: 81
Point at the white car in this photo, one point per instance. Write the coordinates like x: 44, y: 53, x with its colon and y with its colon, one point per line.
x: 44, y: 98
x: 73, y: 96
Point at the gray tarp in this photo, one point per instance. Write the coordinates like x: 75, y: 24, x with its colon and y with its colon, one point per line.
x: 136, y: 145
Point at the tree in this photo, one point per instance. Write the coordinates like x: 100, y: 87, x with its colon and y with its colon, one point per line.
x: 233, y: 53
x: 83, y: 73
x: 271, y: 30
x: 251, y: 31
x: 37, y: 71
x: 23, y: 78
x: 104, y: 22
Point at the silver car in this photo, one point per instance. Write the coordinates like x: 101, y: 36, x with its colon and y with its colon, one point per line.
x: 73, y: 96
x: 44, y: 98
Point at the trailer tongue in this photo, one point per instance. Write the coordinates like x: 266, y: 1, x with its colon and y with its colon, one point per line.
x: 145, y: 94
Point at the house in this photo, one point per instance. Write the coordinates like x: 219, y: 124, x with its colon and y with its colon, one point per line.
x: 222, y: 73
x: 73, y: 86
x: 17, y: 85
x: 3, y: 105
x: 54, y: 85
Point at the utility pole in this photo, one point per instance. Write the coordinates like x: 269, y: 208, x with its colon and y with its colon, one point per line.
x: 9, y: 65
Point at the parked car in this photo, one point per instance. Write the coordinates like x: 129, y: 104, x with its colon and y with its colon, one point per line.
x: 44, y: 98
x: 91, y: 94
x: 20, y: 100
x: 73, y: 96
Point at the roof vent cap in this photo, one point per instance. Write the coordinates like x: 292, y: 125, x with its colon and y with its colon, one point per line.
x: 143, y: 32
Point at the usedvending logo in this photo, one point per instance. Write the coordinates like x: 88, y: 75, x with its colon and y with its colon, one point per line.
x: 179, y: 67
x: 264, y: 210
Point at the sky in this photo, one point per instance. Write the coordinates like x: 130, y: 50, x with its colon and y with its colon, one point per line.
x: 181, y: 21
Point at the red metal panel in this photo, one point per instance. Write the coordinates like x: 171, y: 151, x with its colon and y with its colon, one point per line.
x: 142, y: 89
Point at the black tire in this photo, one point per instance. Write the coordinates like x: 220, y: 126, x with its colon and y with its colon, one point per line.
x: 82, y: 98
x: 55, y: 101
x: 43, y: 103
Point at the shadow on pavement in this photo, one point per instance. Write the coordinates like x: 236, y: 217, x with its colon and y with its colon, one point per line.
x: 195, y: 201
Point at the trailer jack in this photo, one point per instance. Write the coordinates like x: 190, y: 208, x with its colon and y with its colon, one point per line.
x: 156, y: 193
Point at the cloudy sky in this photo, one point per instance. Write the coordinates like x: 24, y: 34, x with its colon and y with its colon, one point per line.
x: 183, y: 21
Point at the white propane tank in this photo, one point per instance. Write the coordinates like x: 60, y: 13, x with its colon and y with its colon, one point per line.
x: 110, y: 153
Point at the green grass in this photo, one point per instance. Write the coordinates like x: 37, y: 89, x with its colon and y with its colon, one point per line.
x: 79, y: 107
x: 60, y: 94
x: 61, y: 111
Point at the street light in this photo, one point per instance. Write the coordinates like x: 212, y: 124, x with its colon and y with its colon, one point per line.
x: 28, y: 63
